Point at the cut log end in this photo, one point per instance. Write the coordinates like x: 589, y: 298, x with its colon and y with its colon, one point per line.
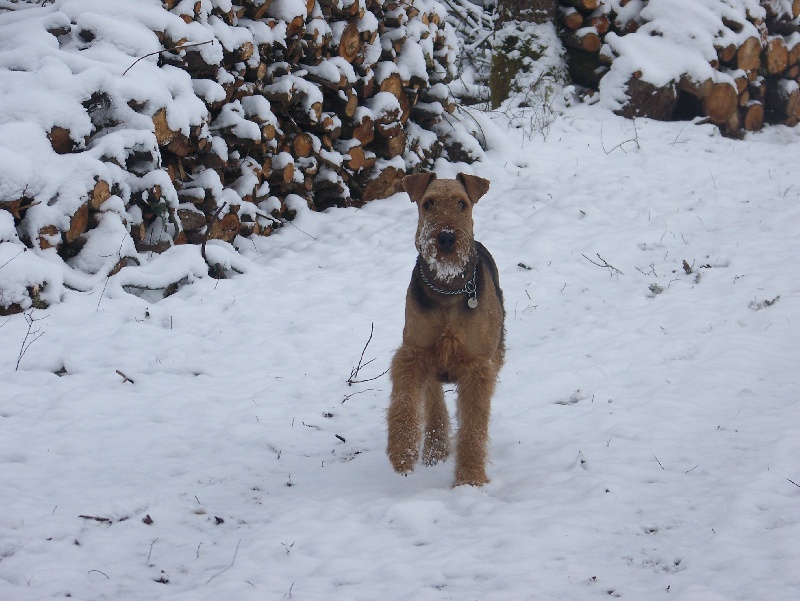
x: 100, y: 194
x: 748, y: 56
x: 350, y: 43
x: 753, y: 119
x: 648, y: 100
x: 77, y: 224
x: 720, y: 102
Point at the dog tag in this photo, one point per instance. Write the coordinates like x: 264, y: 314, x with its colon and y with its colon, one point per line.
x: 472, y: 303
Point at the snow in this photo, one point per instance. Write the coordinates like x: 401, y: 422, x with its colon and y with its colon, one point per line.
x: 21, y: 269
x: 644, y: 431
x: 383, y: 104
x: 677, y: 40
x: 287, y: 10
x: 232, y: 117
x: 643, y: 436
x: 411, y: 62
x: 333, y: 70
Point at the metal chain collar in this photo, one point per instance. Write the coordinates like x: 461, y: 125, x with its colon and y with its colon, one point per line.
x: 470, y: 288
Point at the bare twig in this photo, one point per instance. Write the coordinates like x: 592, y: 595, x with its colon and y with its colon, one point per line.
x: 354, y: 372
x: 124, y: 377
x: 611, y: 269
x: 651, y: 272
x: 151, y: 550
x: 173, y: 49
x: 14, y: 257
x: 659, y: 463
x: 468, y: 111
x: 108, y: 277
x: 675, y: 141
x: 31, y: 336
x: 96, y: 518
x: 635, y: 140
x: 229, y: 566
x: 368, y: 379
x: 99, y: 572
x: 349, y: 396
x: 793, y: 482
x: 301, y: 231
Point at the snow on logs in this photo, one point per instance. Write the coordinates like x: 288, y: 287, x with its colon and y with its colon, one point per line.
x: 198, y: 119
x: 732, y: 62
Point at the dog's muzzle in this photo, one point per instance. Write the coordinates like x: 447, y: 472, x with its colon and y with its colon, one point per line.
x: 446, y: 241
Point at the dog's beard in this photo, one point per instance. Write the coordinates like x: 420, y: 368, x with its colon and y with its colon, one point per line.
x: 448, y: 267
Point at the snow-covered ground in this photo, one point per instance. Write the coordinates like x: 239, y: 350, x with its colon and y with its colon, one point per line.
x: 644, y: 434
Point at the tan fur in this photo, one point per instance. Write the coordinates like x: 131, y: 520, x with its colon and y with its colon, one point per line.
x: 443, y: 339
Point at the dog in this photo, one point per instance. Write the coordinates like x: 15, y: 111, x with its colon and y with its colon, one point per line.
x: 454, y: 333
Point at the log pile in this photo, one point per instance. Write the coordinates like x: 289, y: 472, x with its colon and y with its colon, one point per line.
x: 752, y: 65
x: 321, y: 114
x: 322, y: 102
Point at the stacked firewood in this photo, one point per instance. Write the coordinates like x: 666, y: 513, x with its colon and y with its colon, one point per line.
x: 753, y: 78
x: 322, y: 102
x: 324, y: 115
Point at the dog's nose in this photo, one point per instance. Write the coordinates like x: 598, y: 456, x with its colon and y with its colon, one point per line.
x: 446, y: 241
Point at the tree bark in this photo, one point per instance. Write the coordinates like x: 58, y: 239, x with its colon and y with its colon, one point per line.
x: 505, y: 68
x: 529, y: 11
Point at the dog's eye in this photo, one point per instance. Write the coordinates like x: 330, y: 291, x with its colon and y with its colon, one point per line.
x: 427, y: 205
x: 462, y: 205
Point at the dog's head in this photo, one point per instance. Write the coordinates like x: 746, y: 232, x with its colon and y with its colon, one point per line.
x: 444, y: 233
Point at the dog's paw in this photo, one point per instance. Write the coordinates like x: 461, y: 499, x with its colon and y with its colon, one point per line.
x: 435, y: 452
x: 403, y: 462
x: 471, y: 479
x: 471, y: 482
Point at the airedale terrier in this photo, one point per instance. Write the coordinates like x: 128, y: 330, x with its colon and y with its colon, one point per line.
x: 453, y: 333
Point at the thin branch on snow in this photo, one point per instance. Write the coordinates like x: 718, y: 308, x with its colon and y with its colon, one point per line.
x: 99, y: 572
x: 230, y: 565
x: 634, y: 139
x: 484, y: 144
x: 150, y: 552
x: 368, y: 379
x: 31, y: 336
x: 651, y: 272
x: 173, y: 49
x: 611, y: 269
x: 108, y: 277
x: 354, y: 372
x: 349, y: 396
x: 124, y: 377
x: 299, y: 230
x: 96, y: 519
x: 12, y: 258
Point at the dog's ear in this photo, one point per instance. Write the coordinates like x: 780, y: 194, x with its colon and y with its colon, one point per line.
x: 474, y: 185
x: 416, y: 184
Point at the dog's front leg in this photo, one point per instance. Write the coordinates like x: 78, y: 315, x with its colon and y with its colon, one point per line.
x: 408, y: 373
x: 437, y: 424
x: 476, y: 385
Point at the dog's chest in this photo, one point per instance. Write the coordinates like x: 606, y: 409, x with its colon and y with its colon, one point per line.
x: 452, y: 335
